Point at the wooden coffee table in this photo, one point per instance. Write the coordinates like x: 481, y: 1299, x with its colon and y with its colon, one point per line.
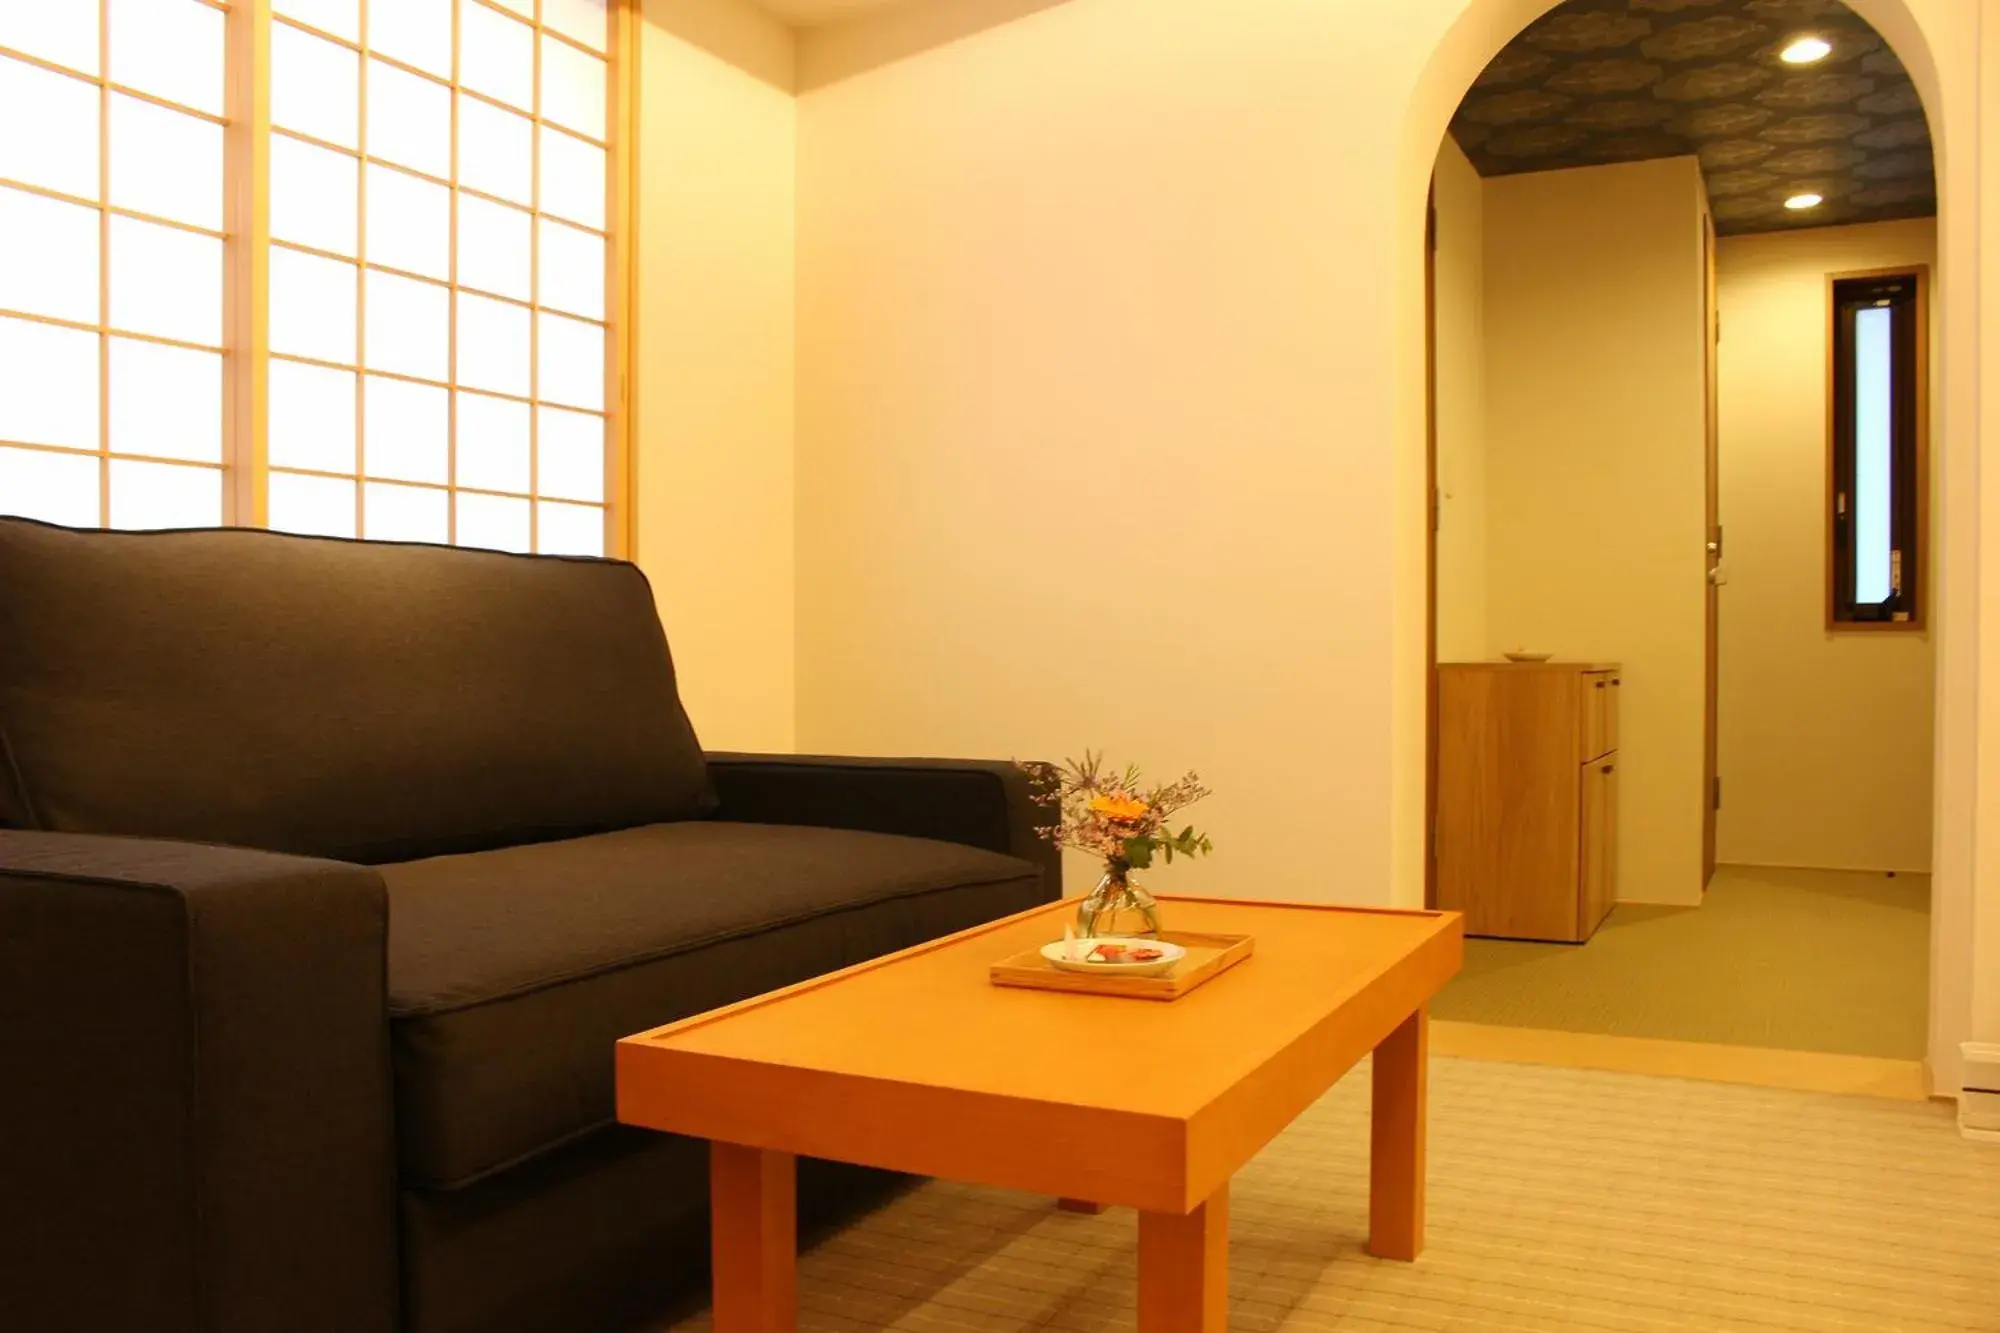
x: 916, y: 1062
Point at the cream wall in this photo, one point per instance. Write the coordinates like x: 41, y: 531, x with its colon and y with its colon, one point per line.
x: 713, y: 383
x: 1595, y: 470
x: 1826, y: 748
x: 1274, y: 157
x: 1096, y: 342
x: 1459, y: 274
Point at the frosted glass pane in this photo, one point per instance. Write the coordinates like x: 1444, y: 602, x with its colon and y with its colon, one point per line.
x: 48, y: 265
x: 416, y: 32
x: 65, y: 33
x: 492, y: 345
x: 409, y: 223
x: 572, y: 362
x: 572, y: 269
x: 408, y: 431
x: 166, y: 401
x: 492, y: 521
x: 525, y: 8
x: 496, y: 55
x: 312, y: 306
x: 1874, y: 435
x: 322, y: 506
x: 165, y: 163
x: 315, y: 195
x: 569, y: 529
x: 493, y: 248
x: 569, y: 449
x: 312, y: 417
x: 409, y: 327
x: 572, y: 178
x: 315, y: 86
x: 493, y: 444
x: 573, y: 87
x: 405, y: 513
x: 342, y: 18
x: 166, y: 282
x: 61, y: 151
x: 48, y: 385
x: 164, y: 495
x: 584, y: 20
x: 56, y: 488
x: 495, y: 151
x: 169, y: 48
x: 409, y: 120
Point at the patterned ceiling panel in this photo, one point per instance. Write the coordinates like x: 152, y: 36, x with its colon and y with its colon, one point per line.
x: 1596, y: 81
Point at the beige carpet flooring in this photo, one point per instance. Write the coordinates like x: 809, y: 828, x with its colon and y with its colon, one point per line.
x: 1807, y: 960
x: 1560, y: 1199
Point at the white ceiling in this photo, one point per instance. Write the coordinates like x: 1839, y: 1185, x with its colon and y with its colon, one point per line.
x: 813, y: 13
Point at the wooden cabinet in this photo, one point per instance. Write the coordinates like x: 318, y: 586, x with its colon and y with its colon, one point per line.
x: 1527, y: 797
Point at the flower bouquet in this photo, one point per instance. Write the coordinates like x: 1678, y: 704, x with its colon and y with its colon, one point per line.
x: 1115, y: 816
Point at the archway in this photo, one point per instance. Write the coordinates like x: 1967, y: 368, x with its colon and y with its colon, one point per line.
x: 1911, y: 28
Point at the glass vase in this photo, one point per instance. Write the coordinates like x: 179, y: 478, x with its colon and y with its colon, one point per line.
x: 1117, y: 906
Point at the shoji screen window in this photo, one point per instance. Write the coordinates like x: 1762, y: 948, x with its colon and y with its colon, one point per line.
x: 438, y: 271
x: 111, y: 261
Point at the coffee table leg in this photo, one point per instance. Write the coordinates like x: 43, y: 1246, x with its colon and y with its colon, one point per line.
x: 1396, y: 1158
x: 753, y: 1211
x: 1184, y: 1269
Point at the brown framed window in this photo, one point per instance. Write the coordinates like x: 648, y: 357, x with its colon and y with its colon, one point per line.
x: 1877, y: 424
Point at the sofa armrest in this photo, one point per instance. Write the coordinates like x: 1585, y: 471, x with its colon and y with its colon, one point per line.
x: 199, y: 1134
x: 977, y: 802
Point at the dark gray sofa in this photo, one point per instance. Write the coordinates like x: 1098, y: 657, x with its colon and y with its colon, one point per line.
x: 330, y: 872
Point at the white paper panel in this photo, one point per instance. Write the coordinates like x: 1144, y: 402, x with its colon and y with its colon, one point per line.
x: 166, y: 401
x: 48, y: 385
x: 166, y: 282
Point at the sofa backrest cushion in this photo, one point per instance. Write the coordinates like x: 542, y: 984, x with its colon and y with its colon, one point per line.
x: 366, y: 701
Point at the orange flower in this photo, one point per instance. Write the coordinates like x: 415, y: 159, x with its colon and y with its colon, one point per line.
x: 1119, y: 809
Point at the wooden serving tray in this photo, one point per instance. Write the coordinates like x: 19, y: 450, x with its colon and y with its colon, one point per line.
x: 1208, y: 957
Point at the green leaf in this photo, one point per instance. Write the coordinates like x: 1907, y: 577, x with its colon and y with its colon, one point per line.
x: 1139, y: 851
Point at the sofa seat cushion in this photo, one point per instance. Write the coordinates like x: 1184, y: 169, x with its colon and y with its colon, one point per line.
x: 514, y: 972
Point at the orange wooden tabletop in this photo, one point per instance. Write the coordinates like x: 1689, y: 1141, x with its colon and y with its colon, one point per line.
x: 918, y: 1062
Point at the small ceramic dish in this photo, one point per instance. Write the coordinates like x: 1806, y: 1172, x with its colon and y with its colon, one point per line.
x: 1090, y: 956
x: 1527, y: 657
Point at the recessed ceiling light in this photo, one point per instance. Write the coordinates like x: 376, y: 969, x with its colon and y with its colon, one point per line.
x: 1805, y: 50
x: 1799, y: 201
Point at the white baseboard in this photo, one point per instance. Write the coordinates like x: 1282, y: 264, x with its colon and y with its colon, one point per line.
x: 1838, y: 870
x: 1979, y: 1102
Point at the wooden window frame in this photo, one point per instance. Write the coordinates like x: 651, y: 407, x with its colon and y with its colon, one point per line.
x: 246, y: 237
x: 1910, y: 519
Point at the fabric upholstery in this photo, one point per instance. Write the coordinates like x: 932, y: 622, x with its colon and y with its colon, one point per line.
x: 195, y: 1135
x: 513, y: 973
x: 981, y: 803
x: 365, y: 701
x: 597, y: 1237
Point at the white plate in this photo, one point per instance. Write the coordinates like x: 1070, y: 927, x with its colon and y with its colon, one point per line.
x: 1169, y: 955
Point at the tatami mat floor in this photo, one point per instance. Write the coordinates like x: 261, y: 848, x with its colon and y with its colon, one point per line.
x: 1559, y: 1199
x: 1804, y: 960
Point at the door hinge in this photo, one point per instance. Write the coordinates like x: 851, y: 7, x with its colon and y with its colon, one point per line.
x: 1716, y: 795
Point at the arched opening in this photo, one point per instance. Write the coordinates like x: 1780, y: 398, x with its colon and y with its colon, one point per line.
x: 1482, y: 33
